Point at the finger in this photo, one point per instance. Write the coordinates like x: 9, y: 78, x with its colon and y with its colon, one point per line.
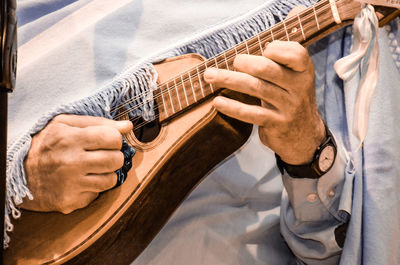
x: 72, y: 202
x: 99, y: 182
x: 247, y: 113
x: 245, y: 83
x: 100, y: 137
x: 295, y: 11
x: 288, y: 53
x: 85, y: 199
x: 102, y: 161
x: 265, y: 69
x: 85, y: 121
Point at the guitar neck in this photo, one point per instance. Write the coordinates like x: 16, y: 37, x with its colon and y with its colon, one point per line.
x: 189, y: 88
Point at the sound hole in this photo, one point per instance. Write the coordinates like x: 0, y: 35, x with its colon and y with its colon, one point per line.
x: 147, y: 131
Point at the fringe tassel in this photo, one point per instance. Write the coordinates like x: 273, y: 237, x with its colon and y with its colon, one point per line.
x: 138, y: 80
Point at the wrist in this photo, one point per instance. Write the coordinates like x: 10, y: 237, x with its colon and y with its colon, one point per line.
x: 323, y: 159
x: 302, y: 152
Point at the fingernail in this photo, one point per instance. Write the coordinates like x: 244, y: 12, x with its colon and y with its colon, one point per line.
x: 210, y: 74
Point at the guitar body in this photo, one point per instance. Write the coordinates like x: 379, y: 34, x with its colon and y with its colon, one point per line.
x: 118, y: 225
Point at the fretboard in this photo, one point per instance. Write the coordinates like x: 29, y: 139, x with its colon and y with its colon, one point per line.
x: 188, y: 88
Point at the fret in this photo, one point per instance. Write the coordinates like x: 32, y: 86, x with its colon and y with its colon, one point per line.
x: 287, y: 34
x: 226, y: 61
x: 316, y: 19
x: 259, y: 43
x: 272, y: 34
x: 200, y: 83
x: 163, y: 102
x: 184, y: 89
x: 216, y: 63
x: 301, y: 27
x: 335, y: 11
x: 170, y: 98
x: 234, y: 47
x: 194, y: 94
x: 211, y: 86
x: 177, y: 95
x: 247, y: 47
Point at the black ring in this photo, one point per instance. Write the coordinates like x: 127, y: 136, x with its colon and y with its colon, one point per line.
x: 122, y: 173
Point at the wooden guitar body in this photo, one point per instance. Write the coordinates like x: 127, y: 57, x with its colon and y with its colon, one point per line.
x: 117, y: 226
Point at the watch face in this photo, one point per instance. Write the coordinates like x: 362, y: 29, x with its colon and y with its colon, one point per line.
x: 326, y: 158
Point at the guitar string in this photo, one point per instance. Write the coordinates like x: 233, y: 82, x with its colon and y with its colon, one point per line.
x: 252, y: 45
x: 289, y: 21
x: 204, y: 64
x: 138, y: 126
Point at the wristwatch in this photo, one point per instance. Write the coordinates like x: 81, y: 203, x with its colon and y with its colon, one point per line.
x: 323, y: 160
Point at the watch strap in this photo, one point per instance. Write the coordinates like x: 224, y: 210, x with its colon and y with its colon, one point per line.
x: 296, y: 171
x: 309, y: 170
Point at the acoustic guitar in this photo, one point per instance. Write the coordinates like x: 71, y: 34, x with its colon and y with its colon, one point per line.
x: 174, y: 152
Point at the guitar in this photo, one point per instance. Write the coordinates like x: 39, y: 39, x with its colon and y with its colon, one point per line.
x: 173, y: 155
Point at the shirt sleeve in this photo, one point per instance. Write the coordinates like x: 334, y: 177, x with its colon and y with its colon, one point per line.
x: 312, y: 209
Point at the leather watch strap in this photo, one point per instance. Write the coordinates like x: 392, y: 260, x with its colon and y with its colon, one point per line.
x: 310, y: 170
x: 296, y: 171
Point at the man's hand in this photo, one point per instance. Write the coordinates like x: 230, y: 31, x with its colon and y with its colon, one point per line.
x: 72, y: 160
x: 283, y: 78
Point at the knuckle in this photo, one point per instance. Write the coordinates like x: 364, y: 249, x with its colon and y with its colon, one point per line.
x: 53, y: 128
x: 302, y: 56
x: 114, y: 180
x: 66, y: 210
x: 115, y: 136
x: 61, y: 118
x: 92, y: 134
x: 116, y: 161
x: 259, y: 69
x: 69, y: 203
x: 74, y: 160
x: 120, y: 160
x: 66, y: 205
x: 259, y: 116
x: 58, y: 118
x: 59, y: 134
x: 259, y: 86
x: 223, y: 79
x: 110, y: 181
